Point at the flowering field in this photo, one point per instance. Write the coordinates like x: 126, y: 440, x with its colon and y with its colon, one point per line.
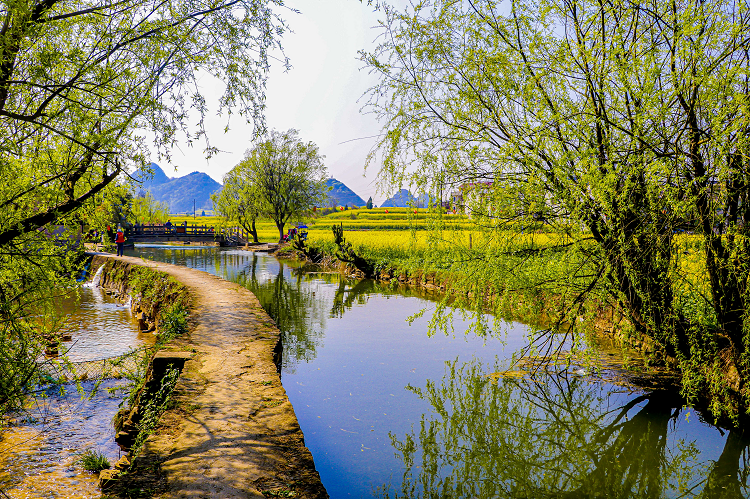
x: 400, y: 234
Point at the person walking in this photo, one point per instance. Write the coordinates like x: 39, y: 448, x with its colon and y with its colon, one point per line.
x: 120, y: 240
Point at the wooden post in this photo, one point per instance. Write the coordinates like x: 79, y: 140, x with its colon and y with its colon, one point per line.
x: 469, y: 240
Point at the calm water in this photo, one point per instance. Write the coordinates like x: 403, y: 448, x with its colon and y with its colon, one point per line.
x: 388, y: 409
x: 38, y: 453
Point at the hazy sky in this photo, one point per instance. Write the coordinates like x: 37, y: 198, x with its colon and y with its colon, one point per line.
x: 318, y: 96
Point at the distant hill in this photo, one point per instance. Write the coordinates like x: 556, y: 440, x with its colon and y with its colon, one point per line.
x: 150, y: 179
x: 179, y: 193
x: 341, y: 195
x: 401, y: 199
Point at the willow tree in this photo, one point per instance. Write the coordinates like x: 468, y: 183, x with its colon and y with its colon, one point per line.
x: 627, y: 121
x: 82, y: 84
x: 284, y: 176
x: 146, y: 209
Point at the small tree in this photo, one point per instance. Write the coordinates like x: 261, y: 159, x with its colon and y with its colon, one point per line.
x: 240, y: 199
x: 289, y: 174
x: 369, y: 203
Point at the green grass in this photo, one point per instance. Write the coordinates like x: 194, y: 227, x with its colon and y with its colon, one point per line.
x: 94, y: 461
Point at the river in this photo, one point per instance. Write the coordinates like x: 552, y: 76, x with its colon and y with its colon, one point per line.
x: 390, y: 409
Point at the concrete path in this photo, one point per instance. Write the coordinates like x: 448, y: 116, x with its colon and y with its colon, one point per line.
x: 234, y: 432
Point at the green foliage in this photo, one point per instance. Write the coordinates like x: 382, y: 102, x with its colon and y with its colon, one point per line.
x: 94, y: 461
x: 241, y: 199
x: 617, y: 132
x: 280, y: 178
x: 146, y: 209
x: 153, y: 408
x: 30, y: 281
x: 369, y: 203
x: 174, y: 322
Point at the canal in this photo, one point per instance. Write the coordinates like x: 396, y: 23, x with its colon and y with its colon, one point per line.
x: 391, y: 409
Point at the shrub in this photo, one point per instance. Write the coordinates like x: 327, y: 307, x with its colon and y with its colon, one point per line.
x: 173, y: 323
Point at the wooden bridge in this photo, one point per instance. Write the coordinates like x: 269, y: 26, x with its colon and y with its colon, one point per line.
x: 155, y: 233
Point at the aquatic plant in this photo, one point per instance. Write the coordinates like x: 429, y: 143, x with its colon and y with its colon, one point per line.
x: 94, y: 461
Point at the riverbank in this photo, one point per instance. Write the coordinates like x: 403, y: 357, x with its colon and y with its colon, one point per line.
x: 632, y: 356
x: 232, y: 431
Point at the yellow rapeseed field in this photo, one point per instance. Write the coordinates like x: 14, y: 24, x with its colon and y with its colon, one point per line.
x: 401, y: 231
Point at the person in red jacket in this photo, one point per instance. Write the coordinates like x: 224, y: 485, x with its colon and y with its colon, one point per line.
x: 120, y: 240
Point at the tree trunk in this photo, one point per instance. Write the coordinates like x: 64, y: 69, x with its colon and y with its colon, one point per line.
x: 250, y: 228
x: 254, y: 232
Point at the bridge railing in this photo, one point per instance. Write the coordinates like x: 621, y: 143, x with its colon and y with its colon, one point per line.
x: 237, y: 234
x: 163, y: 230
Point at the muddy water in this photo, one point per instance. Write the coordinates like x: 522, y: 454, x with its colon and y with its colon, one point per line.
x: 39, y: 452
x: 390, y: 409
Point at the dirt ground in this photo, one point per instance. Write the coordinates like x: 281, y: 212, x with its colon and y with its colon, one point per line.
x: 233, y: 432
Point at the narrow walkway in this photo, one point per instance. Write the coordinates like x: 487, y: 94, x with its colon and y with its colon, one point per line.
x: 234, y: 432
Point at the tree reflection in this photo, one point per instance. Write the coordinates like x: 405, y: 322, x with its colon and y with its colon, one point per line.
x: 356, y: 292
x: 347, y: 296
x: 298, y: 314
x: 556, y: 437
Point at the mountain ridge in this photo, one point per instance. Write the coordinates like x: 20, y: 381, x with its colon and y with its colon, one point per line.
x: 179, y: 193
x: 340, y: 195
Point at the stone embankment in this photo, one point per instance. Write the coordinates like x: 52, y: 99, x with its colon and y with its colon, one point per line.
x: 232, y: 431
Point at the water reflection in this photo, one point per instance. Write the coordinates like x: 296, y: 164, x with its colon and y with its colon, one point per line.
x: 294, y: 307
x: 561, y: 437
x: 388, y: 409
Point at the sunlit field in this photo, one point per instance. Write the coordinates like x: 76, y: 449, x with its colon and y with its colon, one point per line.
x: 403, y: 233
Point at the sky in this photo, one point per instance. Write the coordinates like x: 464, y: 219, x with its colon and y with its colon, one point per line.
x: 321, y: 96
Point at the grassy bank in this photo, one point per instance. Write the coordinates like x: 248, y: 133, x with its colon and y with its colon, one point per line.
x: 162, y: 305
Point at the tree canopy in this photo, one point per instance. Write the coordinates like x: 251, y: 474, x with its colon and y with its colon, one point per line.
x: 82, y: 84
x: 626, y: 121
x: 146, y: 209
x: 241, y: 199
x: 281, y: 178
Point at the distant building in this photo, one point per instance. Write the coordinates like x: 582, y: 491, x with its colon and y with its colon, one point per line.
x: 470, y: 197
